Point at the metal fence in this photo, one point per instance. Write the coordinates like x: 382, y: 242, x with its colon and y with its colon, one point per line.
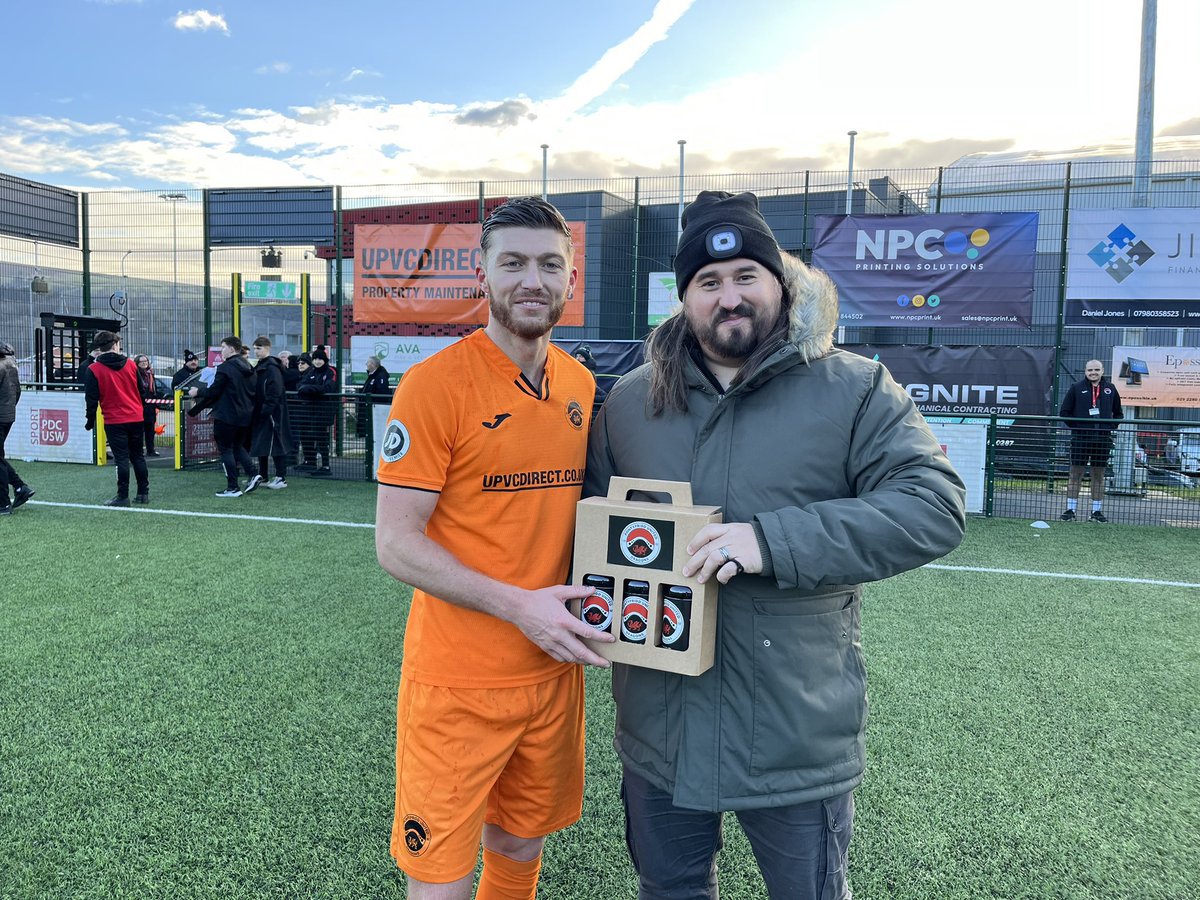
x: 1152, y: 476
x: 336, y: 432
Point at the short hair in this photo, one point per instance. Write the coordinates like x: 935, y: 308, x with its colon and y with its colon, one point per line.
x: 235, y: 342
x: 104, y: 340
x: 262, y: 341
x: 525, y: 212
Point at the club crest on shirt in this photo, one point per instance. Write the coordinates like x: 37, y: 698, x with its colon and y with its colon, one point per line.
x: 416, y: 834
x: 575, y: 413
x: 395, y: 441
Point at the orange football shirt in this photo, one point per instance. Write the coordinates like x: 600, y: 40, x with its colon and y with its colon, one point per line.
x: 507, y: 458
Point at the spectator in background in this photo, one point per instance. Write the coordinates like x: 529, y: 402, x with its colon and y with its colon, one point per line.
x: 377, y: 388
x: 271, y: 436
x: 10, y: 393
x: 291, y: 380
x: 148, y: 388
x: 191, y: 365
x: 584, y: 355
x: 112, y: 385
x: 231, y: 397
x: 1096, y: 404
x: 318, y: 394
x: 302, y: 425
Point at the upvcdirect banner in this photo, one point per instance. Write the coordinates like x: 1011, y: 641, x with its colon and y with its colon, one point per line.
x: 962, y: 270
x: 1133, y: 266
x: 425, y: 274
x: 952, y: 382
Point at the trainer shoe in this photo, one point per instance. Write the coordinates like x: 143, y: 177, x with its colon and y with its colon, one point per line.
x: 6, y: 509
x: 276, y: 484
x: 1098, y: 516
x: 21, y: 494
x: 323, y: 472
x: 1068, y: 516
x: 252, y: 484
x: 142, y: 498
x: 229, y: 493
x: 118, y: 501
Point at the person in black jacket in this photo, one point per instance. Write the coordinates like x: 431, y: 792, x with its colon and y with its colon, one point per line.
x: 10, y: 393
x: 318, y: 392
x: 191, y: 365
x: 1097, y: 405
x: 231, y: 397
x: 271, y: 435
x: 148, y: 388
x: 376, y: 389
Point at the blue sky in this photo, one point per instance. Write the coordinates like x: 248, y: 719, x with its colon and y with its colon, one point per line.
x: 148, y: 94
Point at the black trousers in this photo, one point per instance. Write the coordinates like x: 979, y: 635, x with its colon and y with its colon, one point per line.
x: 149, y: 421
x: 128, y: 449
x: 231, y: 441
x: 8, y: 475
x: 281, y: 462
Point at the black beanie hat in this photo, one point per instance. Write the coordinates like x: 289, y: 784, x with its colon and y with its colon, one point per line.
x: 306, y: 359
x: 718, y: 225
x: 320, y: 354
x: 188, y: 356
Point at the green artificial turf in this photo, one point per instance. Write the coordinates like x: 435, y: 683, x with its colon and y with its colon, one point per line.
x: 204, y: 707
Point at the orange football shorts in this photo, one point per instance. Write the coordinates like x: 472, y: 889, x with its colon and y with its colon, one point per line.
x: 511, y: 757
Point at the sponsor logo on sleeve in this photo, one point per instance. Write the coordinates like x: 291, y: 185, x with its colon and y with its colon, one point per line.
x: 395, y: 441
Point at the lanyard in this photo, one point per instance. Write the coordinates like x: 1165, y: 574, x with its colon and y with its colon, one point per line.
x: 1095, y: 395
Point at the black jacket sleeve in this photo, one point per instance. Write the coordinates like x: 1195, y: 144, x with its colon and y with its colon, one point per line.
x: 210, y: 395
x: 91, y: 391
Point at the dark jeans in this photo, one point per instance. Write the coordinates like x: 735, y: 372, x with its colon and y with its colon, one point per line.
x: 127, y: 448
x: 8, y: 475
x: 801, y: 850
x: 231, y: 441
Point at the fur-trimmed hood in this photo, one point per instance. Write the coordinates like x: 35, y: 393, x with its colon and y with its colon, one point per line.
x: 814, y: 313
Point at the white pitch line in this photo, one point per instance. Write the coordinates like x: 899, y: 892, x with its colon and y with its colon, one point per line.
x: 208, y: 515
x: 205, y: 515
x: 1069, y: 575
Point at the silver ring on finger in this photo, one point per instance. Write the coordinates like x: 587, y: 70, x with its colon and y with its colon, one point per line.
x: 724, y: 551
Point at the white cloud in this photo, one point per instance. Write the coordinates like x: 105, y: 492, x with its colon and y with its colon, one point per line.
x: 275, y: 68
x: 200, y: 20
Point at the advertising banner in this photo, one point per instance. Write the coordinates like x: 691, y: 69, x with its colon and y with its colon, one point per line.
x: 425, y: 274
x: 965, y: 445
x: 1133, y: 266
x: 952, y: 381
x: 962, y: 270
x: 664, y: 297
x: 49, y: 427
x: 396, y: 353
x: 1157, y: 376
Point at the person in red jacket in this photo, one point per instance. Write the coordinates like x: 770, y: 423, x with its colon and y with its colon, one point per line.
x: 111, y: 383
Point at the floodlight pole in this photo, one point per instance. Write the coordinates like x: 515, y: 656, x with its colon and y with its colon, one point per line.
x: 545, y: 147
x: 679, y: 234
x: 1143, y: 152
x: 850, y: 173
x: 173, y: 199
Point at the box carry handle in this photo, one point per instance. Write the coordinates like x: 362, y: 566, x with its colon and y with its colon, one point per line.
x: 680, y: 492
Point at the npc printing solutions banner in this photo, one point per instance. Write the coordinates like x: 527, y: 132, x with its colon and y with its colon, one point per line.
x: 1133, y: 266
x: 962, y: 270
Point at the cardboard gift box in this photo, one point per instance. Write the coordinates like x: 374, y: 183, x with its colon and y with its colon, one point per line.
x: 632, y: 552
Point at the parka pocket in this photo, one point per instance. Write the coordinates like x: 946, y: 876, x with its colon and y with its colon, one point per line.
x: 810, y: 703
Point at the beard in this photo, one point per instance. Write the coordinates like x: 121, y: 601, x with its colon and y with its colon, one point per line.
x: 732, y: 343
x: 525, y: 326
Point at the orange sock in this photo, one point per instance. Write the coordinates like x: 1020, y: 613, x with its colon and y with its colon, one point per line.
x: 508, y: 879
